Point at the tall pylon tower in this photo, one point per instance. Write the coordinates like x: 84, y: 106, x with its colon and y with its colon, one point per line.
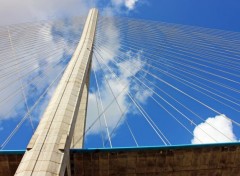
x: 63, y: 122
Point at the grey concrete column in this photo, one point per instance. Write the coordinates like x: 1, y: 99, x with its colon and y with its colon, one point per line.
x: 48, y: 150
x: 78, y: 135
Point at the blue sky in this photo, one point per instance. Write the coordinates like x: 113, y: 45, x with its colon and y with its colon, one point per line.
x: 209, y: 14
x: 212, y: 14
x: 217, y: 15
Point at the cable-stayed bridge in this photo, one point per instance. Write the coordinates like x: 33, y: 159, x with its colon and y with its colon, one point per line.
x: 140, y: 83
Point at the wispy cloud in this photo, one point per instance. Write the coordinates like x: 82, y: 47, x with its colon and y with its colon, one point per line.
x: 29, y: 74
x: 14, y: 11
x: 121, y: 86
x: 108, y: 46
x: 49, y: 34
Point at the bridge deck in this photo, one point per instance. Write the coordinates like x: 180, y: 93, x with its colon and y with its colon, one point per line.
x: 214, y: 160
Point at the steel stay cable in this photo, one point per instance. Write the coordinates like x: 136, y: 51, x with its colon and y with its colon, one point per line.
x: 29, y: 68
x: 147, y: 117
x: 184, y: 93
x: 144, y: 115
x: 45, y: 35
x: 103, y: 143
x: 38, y: 47
x: 190, y: 120
x: 159, y: 45
x: 196, y: 28
x: 122, y: 112
x: 4, y: 87
x: 23, y: 58
x: 154, y: 38
x: 222, y: 35
x: 43, y: 21
x: 32, y: 108
x: 36, y: 83
x: 189, y: 72
x: 202, y: 44
x: 18, y: 91
x: 230, y: 100
x: 29, y: 82
x: 34, y: 69
x: 124, y: 45
x: 167, y: 31
x: 34, y: 26
x: 106, y: 108
x: 184, y: 51
x: 183, y: 106
x: 178, y: 53
x: 204, y: 85
x: 175, y: 109
x: 25, y: 42
x: 162, y: 63
x: 202, y: 51
x: 37, y: 50
x: 104, y: 117
x: 118, y: 122
x: 29, y: 40
x: 208, y: 87
x: 161, y: 27
x: 100, y: 122
x: 24, y: 67
x: 20, y: 80
x: 177, y: 78
x: 50, y: 65
x: 168, y: 64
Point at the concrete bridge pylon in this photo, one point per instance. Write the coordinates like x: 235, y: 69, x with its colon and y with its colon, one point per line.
x: 63, y: 122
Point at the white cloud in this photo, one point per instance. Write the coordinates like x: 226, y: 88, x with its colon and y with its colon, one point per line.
x: 142, y: 94
x: 129, y: 4
x: 121, y: 87
x: 15, y: 11
x: 36, y: 61
x: 108, y: 45
x: 219, y: 128
x: 109, y: 37
x: 133, y: 60
x: 18, y: 11
x: 113, y: 113
x: 41, y: 34
x: 28, y: 10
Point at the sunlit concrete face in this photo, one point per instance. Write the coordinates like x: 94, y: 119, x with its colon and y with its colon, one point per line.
x: 211, y: 160
x: 48, y: 151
